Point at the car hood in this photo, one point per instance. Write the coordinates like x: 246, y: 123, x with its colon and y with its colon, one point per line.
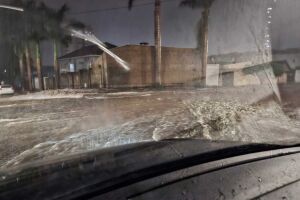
x: 119, y: 165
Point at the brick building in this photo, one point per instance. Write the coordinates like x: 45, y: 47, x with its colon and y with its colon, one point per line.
x: 180, y: 66
x: 90, y: 67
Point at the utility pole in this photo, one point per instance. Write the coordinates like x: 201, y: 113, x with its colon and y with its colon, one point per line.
x: 157, y: 33
x: 204, y: 53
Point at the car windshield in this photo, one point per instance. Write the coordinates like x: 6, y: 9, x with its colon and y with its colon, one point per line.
x: 86, y: 75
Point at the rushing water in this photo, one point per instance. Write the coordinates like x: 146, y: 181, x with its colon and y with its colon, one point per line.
x: 93, y: 39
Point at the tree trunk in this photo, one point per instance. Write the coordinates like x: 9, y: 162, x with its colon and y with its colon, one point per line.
x: 56, y: 66
x: 204, y: 51
x: 21, y: 65
x: 90, y: 77
x: 73, y: 85
x: 28, y: 66
x: 39, y: 65
x: 105, y: 73
x: 157, y: 33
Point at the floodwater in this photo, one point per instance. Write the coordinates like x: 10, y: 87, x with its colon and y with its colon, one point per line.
x: 40, y: 128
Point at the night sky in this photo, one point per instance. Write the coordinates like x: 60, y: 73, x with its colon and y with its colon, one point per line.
x: 121, y: 26
x: 229, y: 28
x: 234, y: 25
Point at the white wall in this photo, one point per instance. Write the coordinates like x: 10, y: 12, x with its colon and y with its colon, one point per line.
x: 297, y: 76
x: 212, y: 74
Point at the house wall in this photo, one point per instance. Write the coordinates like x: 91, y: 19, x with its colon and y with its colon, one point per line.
x: 212, y: 75
x: 81, y: 79
x: 293, y: 59
x: 242, y: 79
x: 238, y: 77
x: 80, y: 63
x: 84, y: 79
x: 97, y: 74
x: 228, y: 79
x: 81, y: 76
x: 252, y: 58
x: 297, y: 76
x: 64, y: 80
x: 282, y: 79
x: 179, y: 66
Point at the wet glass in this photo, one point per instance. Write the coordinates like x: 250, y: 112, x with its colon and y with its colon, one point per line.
x: 85, y: 75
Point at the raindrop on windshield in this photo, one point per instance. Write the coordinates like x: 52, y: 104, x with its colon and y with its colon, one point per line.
x: 259, y: 179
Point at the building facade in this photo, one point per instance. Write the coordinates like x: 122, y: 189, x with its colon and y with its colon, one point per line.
x: 89, y: 67
x: 240, y: 69
x: 180, y: 66
x: 76, y: 67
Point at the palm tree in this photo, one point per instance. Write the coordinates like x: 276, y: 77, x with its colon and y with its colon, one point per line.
x: 26, y: 34
x: 203, y: 32
x: 28, y: 67
x: 13, y: 34
x: 27, y: 29
x: 20, y: 56
x: 37, y: 23
x: 37, y: 35
x: 157, y: 39
x: 55, y: 19
x: 49, y: 24
x: 39, y: 64
x: 57, y: 29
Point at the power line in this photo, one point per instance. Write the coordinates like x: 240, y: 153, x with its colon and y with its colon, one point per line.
x: 117, y: 8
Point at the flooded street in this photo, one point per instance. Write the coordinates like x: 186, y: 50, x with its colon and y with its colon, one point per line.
x: 38, y: 128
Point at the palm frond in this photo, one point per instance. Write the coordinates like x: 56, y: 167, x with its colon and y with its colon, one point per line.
x: 61, y: 13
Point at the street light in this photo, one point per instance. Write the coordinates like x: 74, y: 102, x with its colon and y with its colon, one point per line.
x: 12, y: 8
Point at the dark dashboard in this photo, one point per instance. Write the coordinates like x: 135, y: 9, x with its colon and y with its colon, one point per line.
x: 176, y: 169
